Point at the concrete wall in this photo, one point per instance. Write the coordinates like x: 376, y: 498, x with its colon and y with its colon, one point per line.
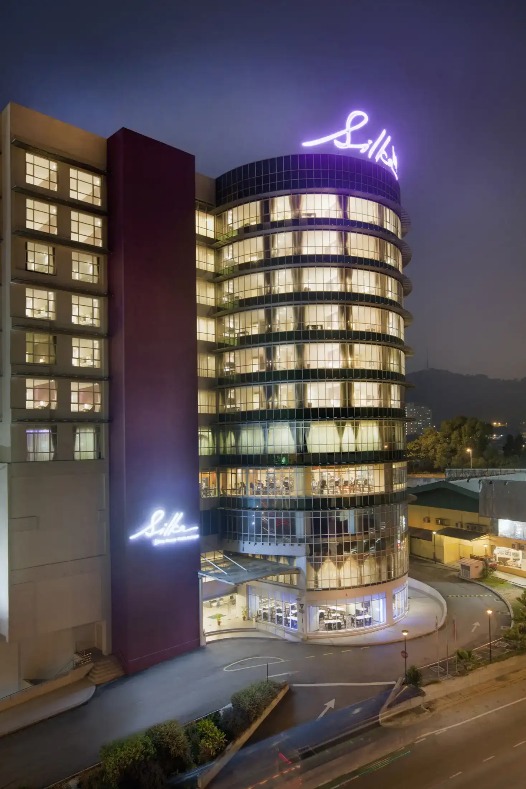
x: 503, y: 499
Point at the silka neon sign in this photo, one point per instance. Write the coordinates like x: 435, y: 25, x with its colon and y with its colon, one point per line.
x: 161, y: 531
x: 377, y: 149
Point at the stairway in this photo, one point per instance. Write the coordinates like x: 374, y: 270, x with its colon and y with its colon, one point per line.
x: 105, y: 669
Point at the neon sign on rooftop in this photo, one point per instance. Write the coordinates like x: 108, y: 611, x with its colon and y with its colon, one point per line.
x: 379, y: 148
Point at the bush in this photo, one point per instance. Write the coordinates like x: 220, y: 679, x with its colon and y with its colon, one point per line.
x: 132, y: 764
x: 96, y: 779
x: 172, y: 748
x: 248, y: 704
x: 206, y: 740
x: 413, y: 676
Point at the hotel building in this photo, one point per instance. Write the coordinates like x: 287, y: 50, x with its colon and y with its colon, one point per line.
x: 278, y: 426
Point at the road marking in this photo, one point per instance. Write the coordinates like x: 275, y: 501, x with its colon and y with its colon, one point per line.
x: 329, y: 705
x: 455, y: 775
x: 519, y: 743
x: 341, y: 684
x: 474, y: 718
x: 265, y: 658
x: 327, y: 653
x: 283, y: 673
x: 356, y: 711
x: 475, y: 625
x: 422, y: 739
x: 346, y: 650
x: 488, y: 759
x: 309, y: 657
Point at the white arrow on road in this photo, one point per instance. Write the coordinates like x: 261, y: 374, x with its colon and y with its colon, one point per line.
x: 329, y: 706
x: 475, y: 625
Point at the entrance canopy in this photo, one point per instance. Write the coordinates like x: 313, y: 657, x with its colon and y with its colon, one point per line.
x: 229, y: 570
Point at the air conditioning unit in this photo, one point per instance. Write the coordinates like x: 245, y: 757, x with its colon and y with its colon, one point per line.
x: 427, y: 520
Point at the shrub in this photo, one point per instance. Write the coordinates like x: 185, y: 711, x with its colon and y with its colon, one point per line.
x: 413, y: 676
x: 206, y: 740
x: 171, y: 745
x: 131, y: 764
x: 96, y: 779
x: 249, y: 703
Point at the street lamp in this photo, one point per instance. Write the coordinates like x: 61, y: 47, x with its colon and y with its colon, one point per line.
x: 434, y: 547
x: 470, y: 456
x: 489, y: 613
x: 405, y: 634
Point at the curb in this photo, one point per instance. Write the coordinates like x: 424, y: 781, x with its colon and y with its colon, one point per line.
x: 503, y: 599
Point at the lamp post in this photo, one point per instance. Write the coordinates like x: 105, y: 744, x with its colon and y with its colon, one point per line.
x: 434, y: 547
x: 489, y: 613
x: 405, y: 634
x: 470, y: 451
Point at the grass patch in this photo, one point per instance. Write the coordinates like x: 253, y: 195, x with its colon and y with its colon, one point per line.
x: 493, y: 580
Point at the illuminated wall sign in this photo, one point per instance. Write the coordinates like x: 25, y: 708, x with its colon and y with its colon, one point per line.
x: 161, y: 530
x: 377, y: 149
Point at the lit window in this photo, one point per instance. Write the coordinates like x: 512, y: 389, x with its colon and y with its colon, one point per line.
x: 85, y: 396
x: 85, y: 352
x: 40, y: 304
x: 206, y: 292
x: 206, y: 402
x: 85, y: 311
x: 205, y: 224
x: 40, y: 444
x: 41, y: 393
x: 86, y: 228
x: 40, y: 257
x: 85, y: 186
x: 206, y: 329
x: 40, y: 348
x: 86, y: 443
x: 41, y: 217
x: 41, y: 172
x: 84, y: 267
x: 205, y: 258
x: 206, y: 365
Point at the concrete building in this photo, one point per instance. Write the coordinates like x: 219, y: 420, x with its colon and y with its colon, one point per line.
x: 274, y: 433
x: 419, y: 419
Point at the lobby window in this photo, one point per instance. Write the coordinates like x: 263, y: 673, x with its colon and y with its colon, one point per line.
x: 40, y: 304
x: 85, y: 186
x: 85, y: 396
x: 85, y: 310
x: 206, y: 292
x: 40, y: 348
x: 40, y: 444
x: 84, y: 267
x: 206, y: 365
x: 40, y: 257
x: 206, y: 329
x: 205, y: 224
x: 41, y: 393
x: 86, y: 443
x: 41, y: 217
x: 85, y: 352
x: 41, y: 172
x: 86, y: 228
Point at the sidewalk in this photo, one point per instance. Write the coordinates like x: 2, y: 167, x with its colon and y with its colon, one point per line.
x: 46, y: 706
x: 516, y: 580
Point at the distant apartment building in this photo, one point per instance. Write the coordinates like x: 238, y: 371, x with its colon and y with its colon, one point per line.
x: 419, y: 418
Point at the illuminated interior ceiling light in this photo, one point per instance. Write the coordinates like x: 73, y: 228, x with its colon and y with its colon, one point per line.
x: 378, y: 147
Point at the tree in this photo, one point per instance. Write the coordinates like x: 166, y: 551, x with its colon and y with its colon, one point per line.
x: 447, y: 447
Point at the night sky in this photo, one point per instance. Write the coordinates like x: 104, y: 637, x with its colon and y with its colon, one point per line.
x: 240, y: 80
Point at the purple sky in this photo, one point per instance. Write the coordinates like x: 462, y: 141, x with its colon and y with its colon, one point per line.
x: 240, y: 80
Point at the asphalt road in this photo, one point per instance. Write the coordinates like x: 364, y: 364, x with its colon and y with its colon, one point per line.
x: 477, y: 745
x: 194, y: 684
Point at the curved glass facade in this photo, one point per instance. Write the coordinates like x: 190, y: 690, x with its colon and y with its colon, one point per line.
x: 310, y: 363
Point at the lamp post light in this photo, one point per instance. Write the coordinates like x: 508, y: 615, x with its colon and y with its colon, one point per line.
x: 470, y: 451
x: 489, y: 613
x: 405, y: 634
x: 434, y: 547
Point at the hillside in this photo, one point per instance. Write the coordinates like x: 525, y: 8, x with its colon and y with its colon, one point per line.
x: 452, y: 394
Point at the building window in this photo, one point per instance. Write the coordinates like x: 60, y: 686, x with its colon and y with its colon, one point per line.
x: 205, y: 224
x: 40, y: 257
x: 40, y: 304
x: 206, y: 292
x: 85, y: 186
x: 40, y: 348
x: 86, y: 228
x: 85, y: 396
x: 41, y: 393
x: 85, y: 310
x: 206, y: 402
x: 85, y: 352
x: 41, y: 217
x: 206, y: 365
x: 205, y: 258
x: 84, y: 267
x: 40, y: 443
x: 206, y: 329
x: 86, y: 443
x: 41, y: 172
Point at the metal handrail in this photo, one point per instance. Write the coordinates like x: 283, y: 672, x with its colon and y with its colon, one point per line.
x: 72, y: 664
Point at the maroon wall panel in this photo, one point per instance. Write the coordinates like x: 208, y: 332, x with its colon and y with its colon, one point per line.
x: 153, y: 396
